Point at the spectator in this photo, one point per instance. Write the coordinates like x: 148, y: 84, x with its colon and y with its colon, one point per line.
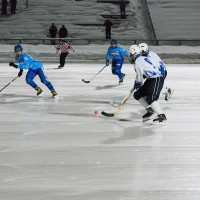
x: 4, y: 7
x: 63, y: 32
x: 108, y: 24
x: 53, y: 31
x: 122, y: 6
x: 13, y: 4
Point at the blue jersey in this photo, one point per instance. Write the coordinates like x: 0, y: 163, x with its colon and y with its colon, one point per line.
x: 27, y: 62
x: 117, y: 53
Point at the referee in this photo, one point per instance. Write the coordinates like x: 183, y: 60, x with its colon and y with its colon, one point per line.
x: 64, y: 48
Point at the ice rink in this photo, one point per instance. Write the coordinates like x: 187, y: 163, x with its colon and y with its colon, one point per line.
x: 59, y: 150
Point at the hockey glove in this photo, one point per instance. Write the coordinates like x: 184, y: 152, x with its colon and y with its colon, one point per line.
x: 137, y: 85
x: 107, y: 62
x: 12, y: 64
x: 20, y: 72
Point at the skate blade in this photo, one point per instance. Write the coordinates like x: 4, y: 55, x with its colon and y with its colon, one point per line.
x: 56, y: 97
x: 160, y: 123
x: 40, y: 95
x: 149, y: 118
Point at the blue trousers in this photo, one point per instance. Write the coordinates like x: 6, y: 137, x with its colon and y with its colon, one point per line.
x: 116, y: 67
x: 31, y: 75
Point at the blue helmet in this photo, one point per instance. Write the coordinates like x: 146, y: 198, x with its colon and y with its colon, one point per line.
x: 18, y: 47
x: 113, y: 42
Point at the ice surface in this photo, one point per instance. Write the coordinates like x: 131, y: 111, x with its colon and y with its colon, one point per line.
x: 59, y: 150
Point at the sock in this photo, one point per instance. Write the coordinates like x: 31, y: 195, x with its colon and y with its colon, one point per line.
x: 156, y: 107
x: 143, y: 102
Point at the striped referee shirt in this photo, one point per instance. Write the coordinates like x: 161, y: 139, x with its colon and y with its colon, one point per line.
x: 64, y: 48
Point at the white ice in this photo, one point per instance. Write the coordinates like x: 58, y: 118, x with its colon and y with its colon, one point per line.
x: 60, y: 150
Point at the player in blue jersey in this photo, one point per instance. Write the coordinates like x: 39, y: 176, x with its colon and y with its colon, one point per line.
x: 116, y: 53
x: 34, y: 68
x: 148, y: 83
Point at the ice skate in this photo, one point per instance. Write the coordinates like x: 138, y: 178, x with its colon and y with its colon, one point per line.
x: 168, y: 94
x: 149, y: 115
x: 55, y: 95
x: 39, y: 92
x: 121, y: 80
x: 161, y: 119
x: 60, y: 66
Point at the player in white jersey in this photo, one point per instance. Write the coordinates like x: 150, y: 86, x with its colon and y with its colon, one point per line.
x: 148, y: 83
x: 144, y: 50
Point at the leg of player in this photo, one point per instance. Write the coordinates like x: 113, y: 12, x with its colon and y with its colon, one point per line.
x: 29, y: 80
x: 116, y: 69
x: 166, y: 90
x: 161, y: 117
x: 44, y: 80
x: 61, y: 61
x: 155, y: 87
x: 168, y: 94
x: 139, y: 96
x: 150, y: 112
x: 151, y: 91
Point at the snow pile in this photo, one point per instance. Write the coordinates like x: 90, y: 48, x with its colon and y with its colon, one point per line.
x: 35, y: 21
x: 96, y: 53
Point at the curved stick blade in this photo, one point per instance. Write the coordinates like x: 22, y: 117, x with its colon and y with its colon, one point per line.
x: 85, y: 81
x: 107, y: 114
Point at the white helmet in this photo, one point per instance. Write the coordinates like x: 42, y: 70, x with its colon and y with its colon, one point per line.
x: 134, y: 49
x: 143, y: 47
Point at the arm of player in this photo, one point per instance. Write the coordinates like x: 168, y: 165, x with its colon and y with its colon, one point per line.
x: 124, y: 52
x: 71, y: 48
x: 57, y: 48
x: 12, y: 64
x: 108, y: 56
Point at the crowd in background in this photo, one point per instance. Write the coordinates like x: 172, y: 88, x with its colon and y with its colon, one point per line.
x: 5, y: 4
x: 63, y: 33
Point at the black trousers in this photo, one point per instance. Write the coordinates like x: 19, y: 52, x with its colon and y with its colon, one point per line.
x: 63, y: 57
x: 108, y: 33
x: 53, y: 42
x: 150, y: 89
